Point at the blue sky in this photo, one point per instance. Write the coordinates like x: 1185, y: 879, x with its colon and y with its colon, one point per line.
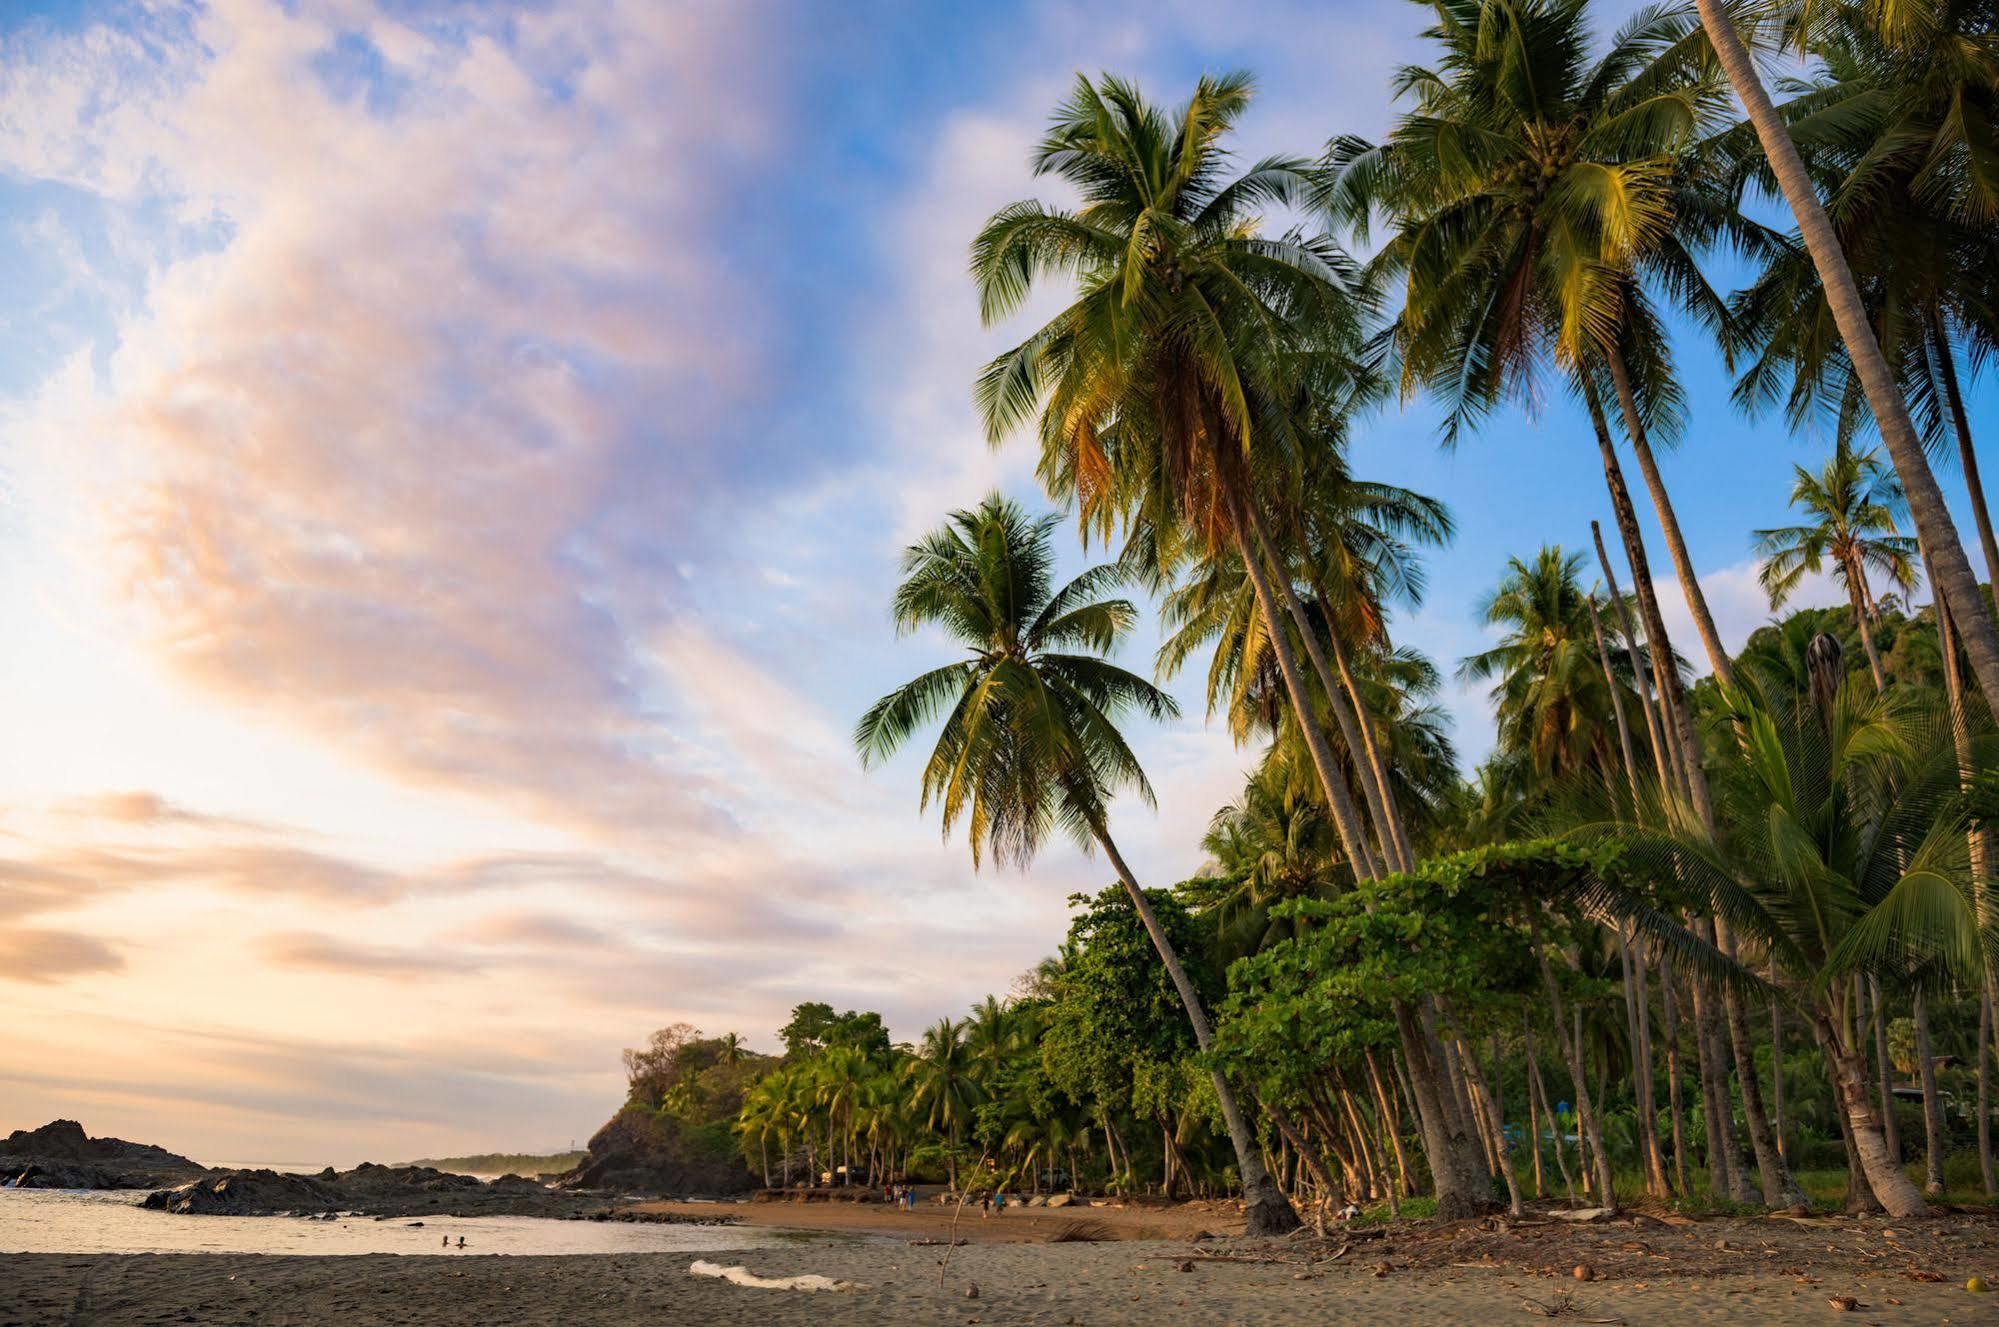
x: 454, y: 460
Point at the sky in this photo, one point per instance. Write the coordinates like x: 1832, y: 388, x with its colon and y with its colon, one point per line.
x: 453, y: 460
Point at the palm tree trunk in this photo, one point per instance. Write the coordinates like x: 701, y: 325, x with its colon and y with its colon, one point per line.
x: 1856, y: 594
x: 1955, y: 581
x: 1934, y: 1129
x: 1540, y: 1090
x: 1777, y: 1066
x: 1987, y: 1052
x: 1371, y: 786
x: 1884, y: 1173
x: 1669, y: 521
x: 1660, y: 760
x: 1270, y: 1213
x: 1616, y: 703
x: 1890, y: 1130
x: 1346, y: 819
x: 1488, y: 1104
x: 1377, y: 761
x: 1458, y: 1185
x: 1669, y: 1011
x: 1658, y: 644
x: 1780, y: 1187
x: 1391, y: 1124
x: 1592, y: 1130
x: 1967, y: 455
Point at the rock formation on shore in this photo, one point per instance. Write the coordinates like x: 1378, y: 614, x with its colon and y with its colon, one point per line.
x: 639, y: 1151
x: 367, y: 1190
x: 59, y: 1155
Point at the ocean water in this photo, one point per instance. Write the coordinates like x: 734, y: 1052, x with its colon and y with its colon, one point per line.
x: 111, y: 1221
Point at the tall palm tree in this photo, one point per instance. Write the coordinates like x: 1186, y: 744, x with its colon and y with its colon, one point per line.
x: 1164, y: 393
x: 1539, y: 197
x: 1030, y: 741
x: 1849, y: 505
x: 1897, y: 128
x: 1952, y: 573
x: 944, y: 1089
x: 1553, y: 703
x: 1157, y: 390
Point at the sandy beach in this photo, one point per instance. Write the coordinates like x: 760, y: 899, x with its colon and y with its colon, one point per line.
x: 1705, y: 1273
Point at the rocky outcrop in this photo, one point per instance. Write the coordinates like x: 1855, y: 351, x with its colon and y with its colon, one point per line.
x: 366, y: 1190
x: 60, y: 1155
x: 246, y: 1193
x: 641, y: 1151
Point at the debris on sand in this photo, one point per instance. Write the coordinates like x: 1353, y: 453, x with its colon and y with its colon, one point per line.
x: 742, y: 1276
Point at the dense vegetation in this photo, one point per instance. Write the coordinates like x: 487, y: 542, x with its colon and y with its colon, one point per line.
x: 505, y: 1163
x: 1717, y: 941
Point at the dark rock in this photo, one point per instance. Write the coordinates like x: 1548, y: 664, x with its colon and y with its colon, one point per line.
x: 60, y: 1155
x: 639, y: 1151
x: 367, y: 1190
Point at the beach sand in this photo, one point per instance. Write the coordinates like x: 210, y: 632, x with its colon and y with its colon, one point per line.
x: 1748, y: 1272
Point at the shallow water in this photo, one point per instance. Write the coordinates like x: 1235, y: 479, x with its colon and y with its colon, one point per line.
x: 110, y: 1221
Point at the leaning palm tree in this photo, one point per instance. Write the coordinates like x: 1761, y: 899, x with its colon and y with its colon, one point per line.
x: 1165, y: 392
x: 1029, y: 741
x: 1951, y: 570
x: 1897, y: 125
x: 1850, y: 505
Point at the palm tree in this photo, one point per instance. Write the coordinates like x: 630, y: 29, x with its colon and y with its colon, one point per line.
x: 943, y: 1088
x: 1951, y: 569
x: 1850, y: 505
x: 1157, y: 391
x: 1030, y: 741
x: 1536, y: 193
x: 1537, y: 196
x: 1271, y: 844
x: 1896, y: 129
x: 1843, y: 851
x: 1553, y: 703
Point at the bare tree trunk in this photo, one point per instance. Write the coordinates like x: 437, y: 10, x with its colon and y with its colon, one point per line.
x: 1884, y: 1173
x: 1372, y: 789
x: 1669, y: 521
x: 1890, y: 1131
x: 1585, y: 1108
x: 1269, y: 1211
x: 1616, y: 703
x: 1934, y: 1129
x: 1955, y: 581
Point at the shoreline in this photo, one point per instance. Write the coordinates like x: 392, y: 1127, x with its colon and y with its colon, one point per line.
x: 1129, y: 1284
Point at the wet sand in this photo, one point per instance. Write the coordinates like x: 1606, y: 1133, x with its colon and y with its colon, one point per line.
x: 933, y: 1220
x: 1763, y: 1275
